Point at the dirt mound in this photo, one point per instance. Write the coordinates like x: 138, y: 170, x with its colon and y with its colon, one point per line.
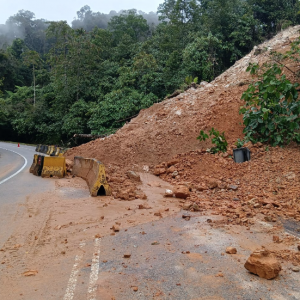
x: 269, y: 185
x: 172, y: 126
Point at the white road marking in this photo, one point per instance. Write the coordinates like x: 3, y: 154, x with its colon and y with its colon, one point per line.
x: 74, y: 274
x: 13, y: 175
x: 95, y: 271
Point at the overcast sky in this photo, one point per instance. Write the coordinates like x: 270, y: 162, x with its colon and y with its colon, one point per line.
x: 56, y: 10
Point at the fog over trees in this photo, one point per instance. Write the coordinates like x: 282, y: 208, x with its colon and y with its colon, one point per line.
x: 24, y: 25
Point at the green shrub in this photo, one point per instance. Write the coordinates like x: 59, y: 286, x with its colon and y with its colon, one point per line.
x: 272, y: 110
x: 218, y: 139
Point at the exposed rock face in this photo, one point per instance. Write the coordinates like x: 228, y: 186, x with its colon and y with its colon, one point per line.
x: 263, y: 264
x: 181, y: 191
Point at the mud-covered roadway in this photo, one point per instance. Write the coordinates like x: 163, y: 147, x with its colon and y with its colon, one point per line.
x: 57, y: 242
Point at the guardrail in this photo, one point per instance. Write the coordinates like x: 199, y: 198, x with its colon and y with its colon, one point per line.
x: 47, y: 166
x: 54, y: 166
x: 50, y: 150
x: 93, y: 172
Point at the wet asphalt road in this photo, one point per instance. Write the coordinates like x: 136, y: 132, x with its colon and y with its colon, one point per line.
x: 167, y: 270
x: 15, y: 190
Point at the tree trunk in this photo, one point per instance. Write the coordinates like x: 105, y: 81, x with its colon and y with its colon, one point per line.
x: 33, y: 86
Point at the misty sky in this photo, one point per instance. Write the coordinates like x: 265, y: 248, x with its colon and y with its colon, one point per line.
x: 56, y: 10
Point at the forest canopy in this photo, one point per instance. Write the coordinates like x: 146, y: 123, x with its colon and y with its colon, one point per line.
x: 58, y: 80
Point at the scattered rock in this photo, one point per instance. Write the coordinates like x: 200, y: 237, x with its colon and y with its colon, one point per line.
x: 172, y: 169
x: 168, y: 193
x: 135, y: 288
x: 134, y: 176
x: 159, y: 171
x: 263, y: 264
x: 30, y: 273
x: 201, y: 188
x: 195, y: 207
x: 181, y: 191
x: 187, y: 205
x: 157, y: 214
x: 141, y: 195
x: 124, y: 195
x: 268, y: 219
x: 231, y: 250
x: 295, y: 269
x: 127, y: 255
x: 248, y: 145
x: 174, y: 174
x: 203, y: 83
x: 172, y: 162
x: 232, y: 187
x: 144, y: 206
x: 276, y: 239
x: 116, y: 228
x: 155, y: 243
x: 212, y: 183
x: 187, y: 217
x: 299, y: 247
x: 290, y: 176
x: 146, y: 168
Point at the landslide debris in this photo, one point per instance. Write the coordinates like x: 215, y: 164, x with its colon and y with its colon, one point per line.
x: 162, y: 139
x: 268, y: 185
x: 171, y: 127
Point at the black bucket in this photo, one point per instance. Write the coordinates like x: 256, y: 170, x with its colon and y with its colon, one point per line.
x: 241, y: 155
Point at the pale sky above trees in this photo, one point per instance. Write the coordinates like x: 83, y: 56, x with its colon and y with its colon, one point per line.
x: 56, y: 10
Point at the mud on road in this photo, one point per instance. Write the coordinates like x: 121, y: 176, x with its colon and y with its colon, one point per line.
x: 69, y: 245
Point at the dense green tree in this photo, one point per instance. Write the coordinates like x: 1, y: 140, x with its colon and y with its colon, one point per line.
x: 275, y: 14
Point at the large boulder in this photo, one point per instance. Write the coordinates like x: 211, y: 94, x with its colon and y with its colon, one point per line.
x: 264, y: 264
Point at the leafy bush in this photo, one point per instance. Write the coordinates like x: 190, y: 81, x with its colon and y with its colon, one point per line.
x: 239, y: 143
x: 218, y: 139
x: 272, y: 110
x: 189, y: 80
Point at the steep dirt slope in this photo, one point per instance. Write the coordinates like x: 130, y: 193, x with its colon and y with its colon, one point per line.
x: 172, y: 126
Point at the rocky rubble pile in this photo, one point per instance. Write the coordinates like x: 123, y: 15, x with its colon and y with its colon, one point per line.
x: 172, y: 126
x: 268, y: 185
